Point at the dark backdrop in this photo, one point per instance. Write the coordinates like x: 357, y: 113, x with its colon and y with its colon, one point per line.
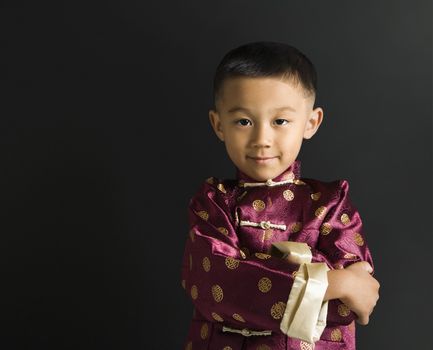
x: 105, y: 137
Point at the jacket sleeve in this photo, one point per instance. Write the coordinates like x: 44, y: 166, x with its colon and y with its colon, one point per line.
x: 227, y: 285
x: 342, y: 241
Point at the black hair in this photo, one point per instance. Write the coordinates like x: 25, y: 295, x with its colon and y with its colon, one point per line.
x: 266, y: 59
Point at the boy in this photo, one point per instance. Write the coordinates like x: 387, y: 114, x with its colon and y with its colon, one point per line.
x: 273, y: 260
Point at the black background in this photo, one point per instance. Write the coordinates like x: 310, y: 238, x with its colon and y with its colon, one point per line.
x: 105, y: 137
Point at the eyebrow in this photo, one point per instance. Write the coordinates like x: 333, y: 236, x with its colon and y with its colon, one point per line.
x: 243, y: 109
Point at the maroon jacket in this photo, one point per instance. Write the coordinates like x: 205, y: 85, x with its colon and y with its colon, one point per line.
x: 233, y: 280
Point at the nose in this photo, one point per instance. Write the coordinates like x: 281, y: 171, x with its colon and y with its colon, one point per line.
x: 261, y: 136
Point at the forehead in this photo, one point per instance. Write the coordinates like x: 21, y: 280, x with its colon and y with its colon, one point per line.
x: 261, y: 93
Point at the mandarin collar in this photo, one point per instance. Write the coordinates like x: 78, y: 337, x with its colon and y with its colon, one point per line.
x: 292, y: 172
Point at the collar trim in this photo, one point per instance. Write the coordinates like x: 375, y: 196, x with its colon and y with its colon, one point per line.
x: 269, y: 183
x: 291, y: 175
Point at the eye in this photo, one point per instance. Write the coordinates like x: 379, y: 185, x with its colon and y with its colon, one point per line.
x: 281, y: 121
x: 243, y: 122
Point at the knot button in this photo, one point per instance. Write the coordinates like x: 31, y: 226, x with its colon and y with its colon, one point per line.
x: 246, y: 332
x: 265, y: 224
x: 269, y: 182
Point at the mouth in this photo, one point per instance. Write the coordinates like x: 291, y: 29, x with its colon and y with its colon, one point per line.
x: 262, y: 160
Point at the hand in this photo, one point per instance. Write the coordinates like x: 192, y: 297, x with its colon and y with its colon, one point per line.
x: 361, y: 291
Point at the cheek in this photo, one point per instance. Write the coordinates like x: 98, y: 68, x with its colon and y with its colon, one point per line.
x: 232, y: 146
x: 235, y: 147
x: 291, y: 142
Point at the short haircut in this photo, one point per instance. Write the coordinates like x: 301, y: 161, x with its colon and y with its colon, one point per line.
x: 266, y: 59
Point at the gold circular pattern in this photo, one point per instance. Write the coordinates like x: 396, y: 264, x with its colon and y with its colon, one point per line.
x: 336, y: 335
x: 203, y: 214
x: 192, y: 235
x: 259, y: 205
x: 345, y: 219
x: 277, y: 310
x: 320, y: 212
x: 217, y: 317
x: 289, y: 176
x: 188, y: 346
x: 315, y: 196
x: 296, y: 227
x: 326, y: 228
x: 227, y: 348
x: 343, y: 310
x: 204, y: 330
x: 238, y: 317
x: 262, y: 256
x: 194, y: 292
x: 263, y: 347
x: 358, y: 239
x: 231, y: 263
x: 206, y: 264
x: 267, y: 234
x: 305, y: 346
x: 223, y: 230
x: 264, y: 284
x: 288, y: 195
x: 183, y: 284
x: 221, y: 188
x: 217, y: 293
x: 190, y: 262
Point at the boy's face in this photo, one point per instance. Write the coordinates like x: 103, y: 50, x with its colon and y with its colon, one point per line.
x: 262, y: 122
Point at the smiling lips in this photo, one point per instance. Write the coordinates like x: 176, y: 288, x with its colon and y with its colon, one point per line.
x: 262, y: 160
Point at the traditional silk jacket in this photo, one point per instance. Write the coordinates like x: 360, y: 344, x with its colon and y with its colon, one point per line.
x: 256, y: 260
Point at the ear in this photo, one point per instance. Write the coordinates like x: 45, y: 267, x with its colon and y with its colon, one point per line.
x: 313, y: 122
x: 215, y: 121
